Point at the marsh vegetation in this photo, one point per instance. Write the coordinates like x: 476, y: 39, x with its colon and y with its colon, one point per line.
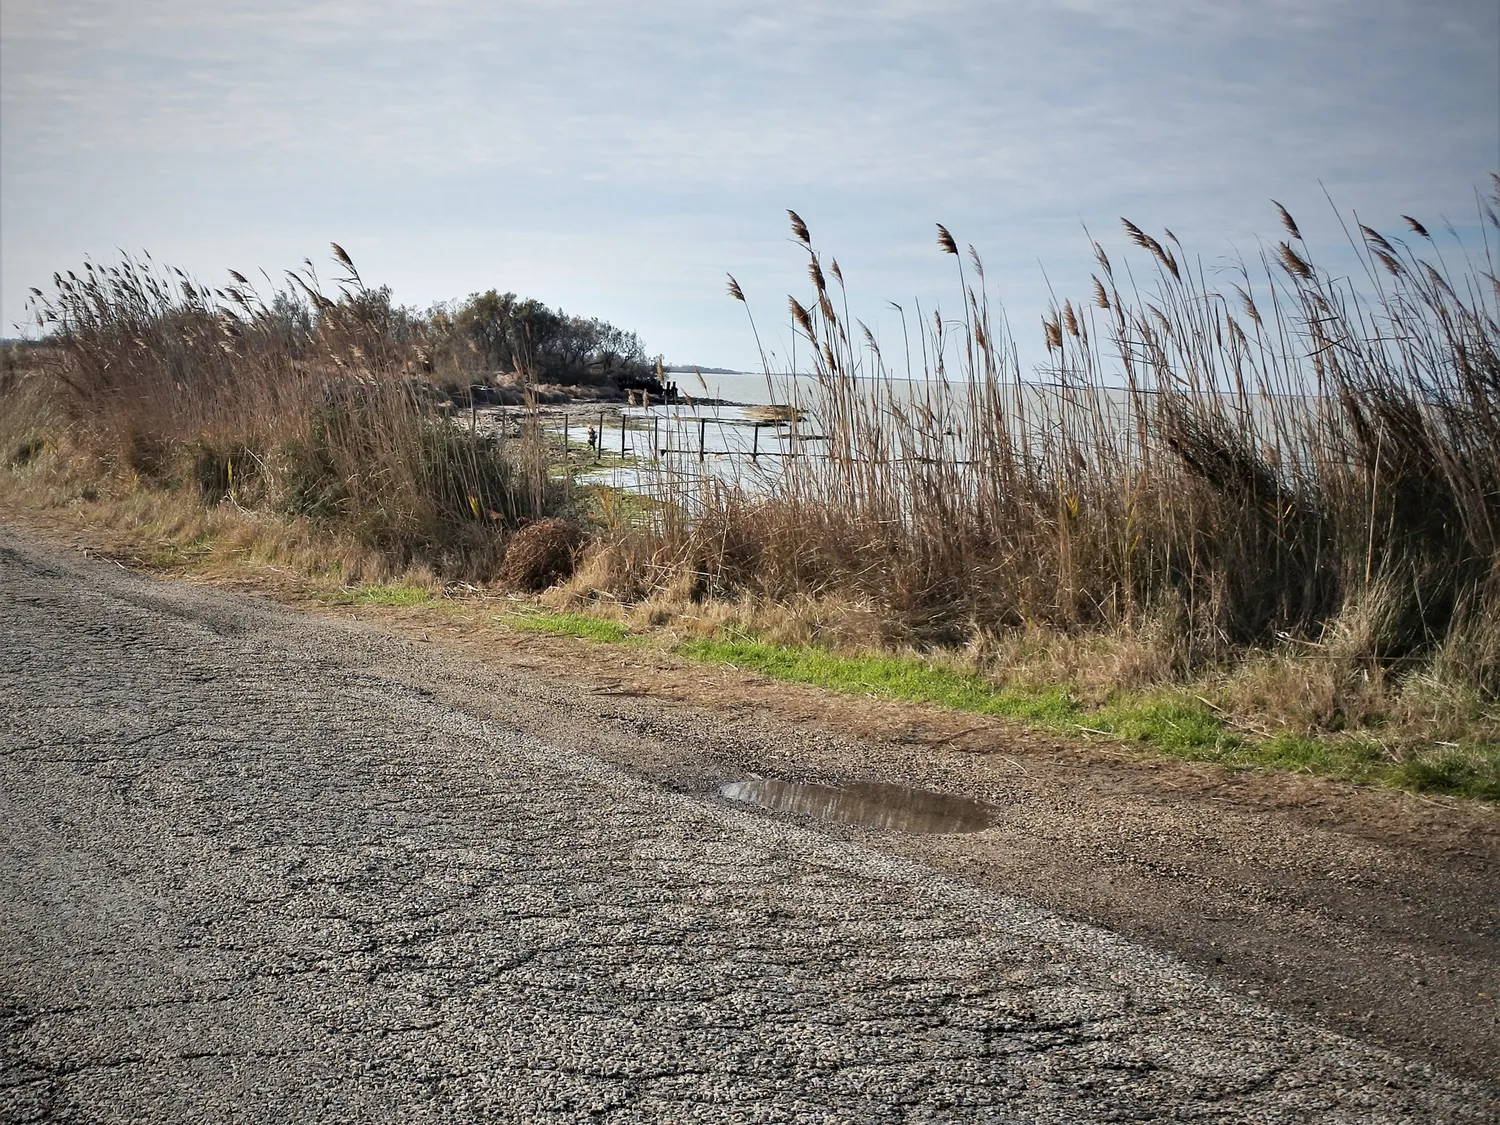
x: 1274, y: 491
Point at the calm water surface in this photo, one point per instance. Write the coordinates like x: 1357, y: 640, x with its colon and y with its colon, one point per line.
x: 870, y: 804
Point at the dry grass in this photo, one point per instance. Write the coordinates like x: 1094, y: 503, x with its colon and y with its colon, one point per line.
x: 170, y: 529
x: 304, y: 406
x: 1287, y: 486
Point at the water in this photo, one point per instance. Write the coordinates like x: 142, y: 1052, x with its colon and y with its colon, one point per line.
x: 745, y: 387
x: 869, y: 804
x: 738, y: 443
x: 721, y: 430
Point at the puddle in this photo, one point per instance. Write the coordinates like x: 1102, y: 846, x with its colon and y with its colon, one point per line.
x: 870, y: 804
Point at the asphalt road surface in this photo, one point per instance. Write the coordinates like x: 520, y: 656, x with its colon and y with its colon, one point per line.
x: 246, y: 879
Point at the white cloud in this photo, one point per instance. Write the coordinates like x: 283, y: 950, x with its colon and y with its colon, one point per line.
x: 192, y: 124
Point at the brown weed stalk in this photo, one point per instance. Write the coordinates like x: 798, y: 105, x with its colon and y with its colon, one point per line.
x: 304, y: 403
x: 1286, y: 460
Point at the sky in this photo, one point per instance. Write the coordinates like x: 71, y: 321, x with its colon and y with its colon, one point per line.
x: 618, y: 159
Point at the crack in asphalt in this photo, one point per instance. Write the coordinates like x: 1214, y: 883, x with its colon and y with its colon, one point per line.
x: 310, y: 893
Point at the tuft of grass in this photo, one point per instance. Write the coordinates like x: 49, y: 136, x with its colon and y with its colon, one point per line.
x: 1460, y: 771
x: 1357, y: 759
x: 886, y: 677
x: 571, y: 625
x: 1184, y: 728
x: 387, y: 595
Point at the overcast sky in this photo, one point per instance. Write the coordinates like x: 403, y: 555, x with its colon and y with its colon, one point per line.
x: 617, y: 159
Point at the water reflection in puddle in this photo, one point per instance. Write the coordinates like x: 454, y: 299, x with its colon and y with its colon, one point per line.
x: 867, y: 803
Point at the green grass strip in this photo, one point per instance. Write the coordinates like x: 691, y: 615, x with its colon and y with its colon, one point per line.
x: 1176, y: 725
x: 889, y: 677
x: 382, y: 595
x: 1185, y: 728
x: 572, y: 625
x: 1464, y: 771
x: 1180, y: 727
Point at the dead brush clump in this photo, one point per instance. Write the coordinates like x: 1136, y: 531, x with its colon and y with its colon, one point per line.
x: 303, y: 405
x: 541, y: 554
x: 1297, y: 688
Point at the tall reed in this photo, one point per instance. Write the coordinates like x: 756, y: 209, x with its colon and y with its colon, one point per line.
x: 1288, y: 459
x: 303, y: 403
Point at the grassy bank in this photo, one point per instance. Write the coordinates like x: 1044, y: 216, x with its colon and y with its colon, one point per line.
x: 1454, y: 752
x: 1180, y: 723
x: 1288, y: 483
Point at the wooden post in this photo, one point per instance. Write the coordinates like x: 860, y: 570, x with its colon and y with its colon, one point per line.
x: 754, y: 441
x: 702, y: 429
x: 622, y: 435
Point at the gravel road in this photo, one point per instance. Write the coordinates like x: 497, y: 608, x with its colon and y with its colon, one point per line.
x: 247, y: 879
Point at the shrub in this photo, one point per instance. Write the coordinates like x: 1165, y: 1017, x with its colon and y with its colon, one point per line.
x: 512, y: 334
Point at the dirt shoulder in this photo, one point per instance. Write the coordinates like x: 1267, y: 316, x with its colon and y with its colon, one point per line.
x: 1372, y: 912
